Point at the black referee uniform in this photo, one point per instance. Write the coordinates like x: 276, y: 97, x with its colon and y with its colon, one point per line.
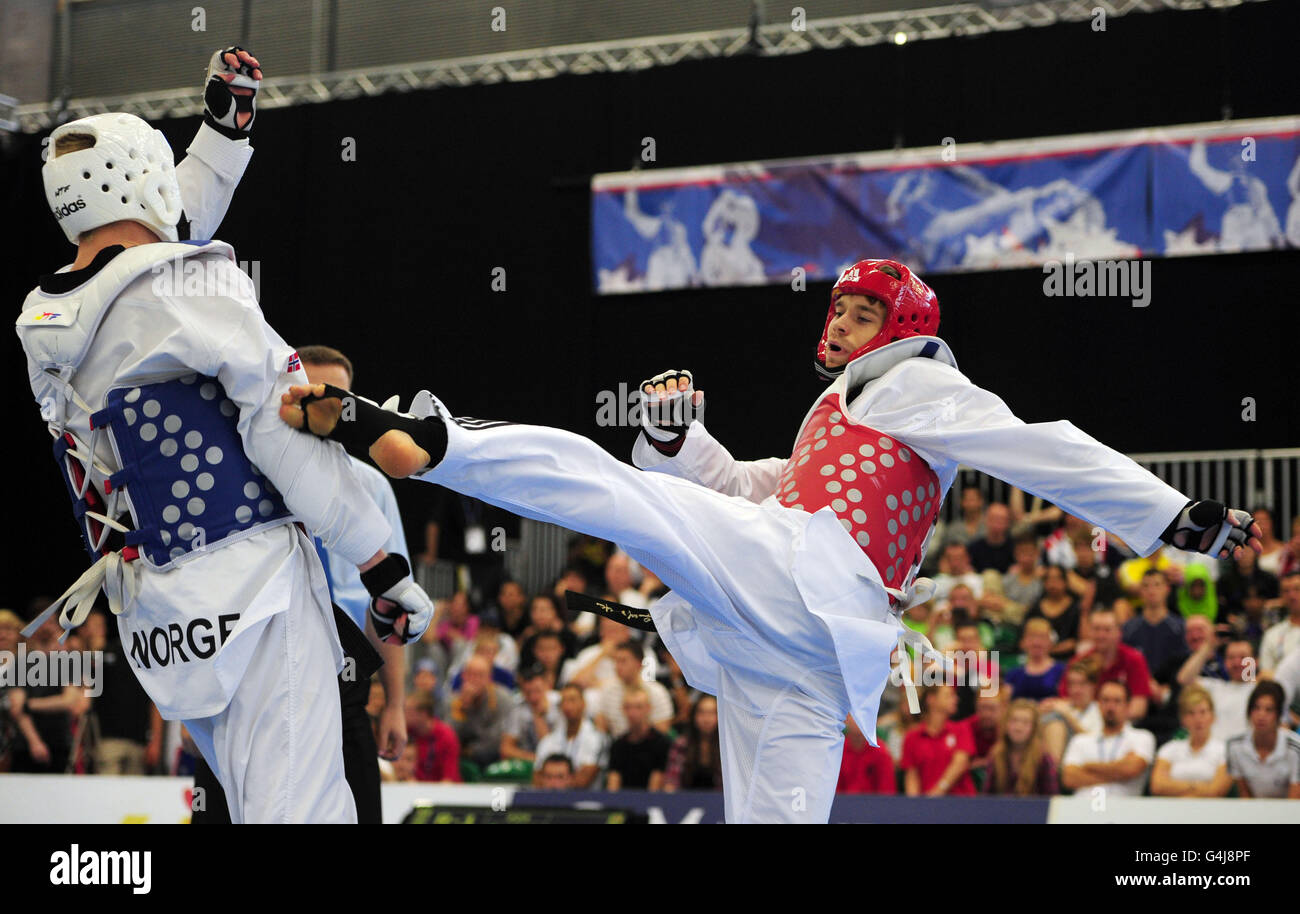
x: 360, y: 753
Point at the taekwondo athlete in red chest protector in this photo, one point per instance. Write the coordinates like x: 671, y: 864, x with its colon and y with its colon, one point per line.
x: 788, y: 575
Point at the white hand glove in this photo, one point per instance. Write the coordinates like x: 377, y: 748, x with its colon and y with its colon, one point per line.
x: 400, y: 610
x: 669, y: 406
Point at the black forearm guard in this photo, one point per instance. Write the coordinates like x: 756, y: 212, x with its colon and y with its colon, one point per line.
x: 1168, y: 535
x: 363, y: 422
x: 386, y: 575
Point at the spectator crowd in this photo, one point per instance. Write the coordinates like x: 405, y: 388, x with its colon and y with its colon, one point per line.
x: 1079, y: 666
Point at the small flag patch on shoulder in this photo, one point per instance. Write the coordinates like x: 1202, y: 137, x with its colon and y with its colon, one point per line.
x: 295, y: 363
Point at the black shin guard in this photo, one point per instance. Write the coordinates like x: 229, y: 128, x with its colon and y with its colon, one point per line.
x: 363, y: 422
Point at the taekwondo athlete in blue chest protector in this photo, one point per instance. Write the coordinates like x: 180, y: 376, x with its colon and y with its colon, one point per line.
x: 159, y: 378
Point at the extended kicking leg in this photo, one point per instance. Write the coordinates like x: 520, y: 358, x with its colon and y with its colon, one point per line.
x: 727, y: 557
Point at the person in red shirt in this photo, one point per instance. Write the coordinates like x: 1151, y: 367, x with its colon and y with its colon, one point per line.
x: 937, y: 752
x: 863, y: 768
x: 985, y: 726
x: 1118, y: 661
x: 437, y: 748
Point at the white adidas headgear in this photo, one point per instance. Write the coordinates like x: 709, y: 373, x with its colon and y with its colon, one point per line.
x: 128, y: 174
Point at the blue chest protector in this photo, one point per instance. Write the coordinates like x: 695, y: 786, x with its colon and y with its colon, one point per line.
x: 185, y: 475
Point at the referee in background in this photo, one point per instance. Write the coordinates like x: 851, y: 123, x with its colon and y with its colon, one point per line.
x: 364, y: 652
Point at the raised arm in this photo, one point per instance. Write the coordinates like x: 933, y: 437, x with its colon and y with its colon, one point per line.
x: 215, y: 161
x: 1191, y: 668
x: 938, y: 412
x: 673, y: 440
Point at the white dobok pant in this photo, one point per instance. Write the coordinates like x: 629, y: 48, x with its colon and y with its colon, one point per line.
x: 277, y: 748
x: 736, y: 614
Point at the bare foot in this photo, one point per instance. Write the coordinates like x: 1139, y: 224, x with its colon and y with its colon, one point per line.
x: 322, y: 415
x: 397, y: 454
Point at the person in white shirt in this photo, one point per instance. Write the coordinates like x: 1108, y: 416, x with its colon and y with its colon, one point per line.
x: 1117, y: 758
x: 1283, y: 638
x: 536, y: 716
x: 1198, y: 765
x: 1231, y: 695
x: 1074, y: 714
x: 1287, y: 675
x: 629, y: 666
x: 1274, y: 550
x: 955, y: 568
x: 788, y: 575
x: 619, y: 581
x: 577, y: 739
x: 593, y: 668
x: 1266, y: 761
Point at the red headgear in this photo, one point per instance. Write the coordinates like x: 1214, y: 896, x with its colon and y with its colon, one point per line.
x: 911, y: 307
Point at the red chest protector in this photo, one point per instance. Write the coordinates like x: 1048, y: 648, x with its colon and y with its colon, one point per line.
x: 885, y: 496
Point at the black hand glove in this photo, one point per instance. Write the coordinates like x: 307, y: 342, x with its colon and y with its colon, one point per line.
x: 221, y: 107
x: 1209, y: 527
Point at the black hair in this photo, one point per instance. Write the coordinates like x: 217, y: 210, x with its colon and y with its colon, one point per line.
x: 632, y: 647
x: 559, y: 757
x: 1270, y: 689
x: 1119, y: 682
x: 536, y: 671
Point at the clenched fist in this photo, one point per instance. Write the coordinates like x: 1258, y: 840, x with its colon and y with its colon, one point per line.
x: 669, y: 404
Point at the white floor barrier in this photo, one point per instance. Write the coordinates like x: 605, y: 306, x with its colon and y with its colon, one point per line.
x: 63, y: 799
x: 60, y: 799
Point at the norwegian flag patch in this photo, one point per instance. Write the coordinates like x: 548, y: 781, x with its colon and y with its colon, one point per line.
x: 295, y: 363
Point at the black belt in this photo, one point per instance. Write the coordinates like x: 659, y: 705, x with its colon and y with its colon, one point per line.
x: 628, y: 615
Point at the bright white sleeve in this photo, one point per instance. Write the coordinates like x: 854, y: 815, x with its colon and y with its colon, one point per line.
x: 661, y: 704
x: 937, y: 411
x: 588, y: 748
x: 567, y: 669
x: 1075, y: 754
x: 1287, y: 675
x: 1144, y: 744
x: 208, y: 175
x: 314, y: 476
x: 381, y: 493
x: 1270, y: 647
x: 1218, y: 754
x: 705, y: 461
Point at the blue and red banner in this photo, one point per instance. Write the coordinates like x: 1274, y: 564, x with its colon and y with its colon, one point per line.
x: 1210, y: 188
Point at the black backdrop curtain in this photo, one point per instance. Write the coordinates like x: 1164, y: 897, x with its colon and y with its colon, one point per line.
x: 390, y: 257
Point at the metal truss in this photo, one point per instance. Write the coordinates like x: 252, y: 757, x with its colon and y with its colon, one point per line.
x: 774, y: 39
